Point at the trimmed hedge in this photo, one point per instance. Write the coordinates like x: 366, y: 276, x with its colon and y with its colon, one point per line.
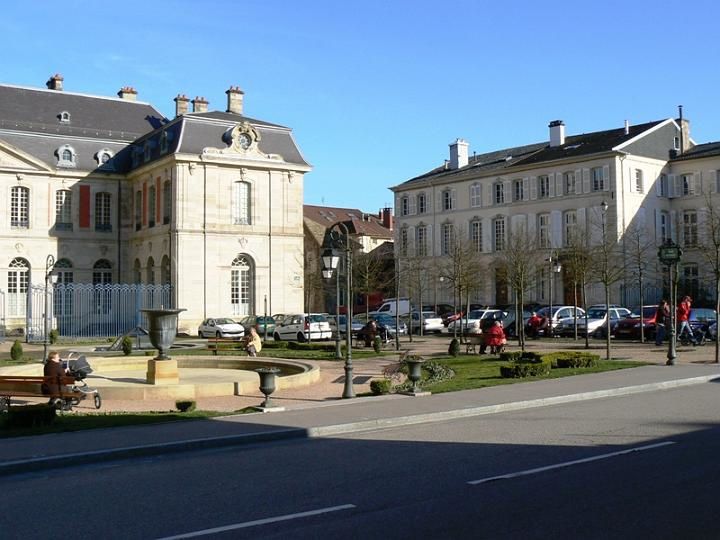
x: 518, y: 370
x: 573, y: 359
x: 42, y: 414
x: 519, y: 356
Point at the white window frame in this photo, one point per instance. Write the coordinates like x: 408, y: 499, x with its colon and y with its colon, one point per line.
x: 499, y: 233
x: 544, y: 231
x: 639, y: 185
x: 687, y: 183
x: 67, y: 157
x: 499, y: 193
x: 518, y: 190
x: 569, y: 224
x: 241, y: 280
x: 63, y: 210
x: 422, y: 203
x: 20, y: 207
x: 476, y: 239
x: 664, y: 227
x: 569, y: 182
x: 690, y: 228
x: 405, y: 205
x: 476, y: 195
x: 447, y: 200
x: 543, y: 186
x: 241, y: 203
x: 597, y: 179
x: 447, y: 238
x: 421, y: 241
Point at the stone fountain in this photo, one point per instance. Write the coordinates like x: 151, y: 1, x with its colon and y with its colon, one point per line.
x: 163, y: 325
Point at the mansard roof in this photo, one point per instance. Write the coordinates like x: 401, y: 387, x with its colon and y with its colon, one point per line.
x: 501, y: 161
x: 704, y: 150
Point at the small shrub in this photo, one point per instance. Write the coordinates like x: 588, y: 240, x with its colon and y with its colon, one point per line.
x: 185, y: 405
x: 16, y: 351
x: 574, y: 359
x: 380, y: 386
x: 377, y: 344
x: 42, y: 414
x: 126, y: 345
x: 454, y: 348
x: 54, y: 335
x: 518, y: 370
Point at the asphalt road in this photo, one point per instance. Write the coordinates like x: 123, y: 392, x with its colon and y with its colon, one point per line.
x: 641, y: 466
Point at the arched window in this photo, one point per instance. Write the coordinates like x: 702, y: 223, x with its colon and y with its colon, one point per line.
x: 165, y: 270
x: 18, y: 279
x: 66, y: 156
x: 241, y: 285
x: 20, y: 207
x: 241, y: 203
x: 63, y: 269
x: 62, y: 293
x: 150, y: 271
x: 102, y: 272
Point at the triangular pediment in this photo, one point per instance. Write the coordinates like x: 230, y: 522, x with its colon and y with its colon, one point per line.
x: 14, y: 159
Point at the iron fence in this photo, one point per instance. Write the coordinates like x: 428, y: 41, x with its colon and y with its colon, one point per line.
x: 86, y: 310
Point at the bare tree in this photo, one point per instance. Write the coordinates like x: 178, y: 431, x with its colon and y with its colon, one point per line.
x: 577, y: 261
x: 370, y: 275
x: 520, y: 260
x: 709, y: 248
x: 638, y: 248
x: 608, y: 267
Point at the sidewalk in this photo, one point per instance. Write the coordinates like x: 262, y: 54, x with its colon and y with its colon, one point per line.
x: 324, y: 414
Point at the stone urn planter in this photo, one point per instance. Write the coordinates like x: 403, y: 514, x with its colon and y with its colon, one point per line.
x: 267, y: 384
x: 414, y: 364
x: 162, y: 330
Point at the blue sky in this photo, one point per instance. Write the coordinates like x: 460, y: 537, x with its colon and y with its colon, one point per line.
x: 376, y: 90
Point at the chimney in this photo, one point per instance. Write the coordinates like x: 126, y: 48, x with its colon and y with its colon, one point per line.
x: 55, y: 82
x: 684, y: 131
x: 458, y: 154
x: 182, y: 104
x: 627, y: 127
x: 557, y: 133
x: 128, y: 93
x: 200, y: 104
x: 235, y: 100
x: 386, y: 217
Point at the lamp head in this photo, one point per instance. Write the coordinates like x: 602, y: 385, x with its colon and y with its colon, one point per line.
x: 604, y: 205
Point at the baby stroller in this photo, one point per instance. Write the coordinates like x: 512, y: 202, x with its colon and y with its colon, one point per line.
x: 78, y: 368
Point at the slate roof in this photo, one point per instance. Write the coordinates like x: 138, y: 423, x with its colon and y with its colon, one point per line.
x: 700, y: 151
x: 533, y: 154
x: 357, y: 221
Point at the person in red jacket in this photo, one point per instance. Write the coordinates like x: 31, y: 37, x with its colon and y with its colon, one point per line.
x: 533, y: 325
x: 683, y: 314
x: 495, y: 338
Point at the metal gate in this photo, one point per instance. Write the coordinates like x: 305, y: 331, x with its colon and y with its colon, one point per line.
x: 87, y: 310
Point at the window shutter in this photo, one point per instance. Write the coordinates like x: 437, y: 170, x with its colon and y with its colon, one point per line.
x: 526, y: 188
x: 702, y: 226
x: 658, y: 185
x: 430, y: 241
x: 453, y: 199
x: 658, y: 226
x: 671, y: 186
x: 673, y: 225
x: 697, y: 184
x: 507, y: 191
x: 533, y: 187
x: 578, y: 181
x: 488, y: 195
x: 559, y: 185
x: 532, y: 225
x: 487, y: 231
x: 712, y: 179
x: 551, y: 185
x: 606, y: 177
x: 555, y: 228
x: 412, y: 205
x: 586, y: 180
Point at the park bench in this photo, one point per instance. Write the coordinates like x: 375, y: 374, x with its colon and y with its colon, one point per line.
x: 220, y: 344
x: 67, y: 395
x: 472, y: 341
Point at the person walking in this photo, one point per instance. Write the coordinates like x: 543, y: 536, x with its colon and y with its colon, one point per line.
x: 683, y: 314
x: 662, y: 319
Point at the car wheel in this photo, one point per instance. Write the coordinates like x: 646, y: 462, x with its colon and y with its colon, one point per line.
x: 276, y: 337
x: 301, y: 337
x: 200, y: 334
x: 218, y: 335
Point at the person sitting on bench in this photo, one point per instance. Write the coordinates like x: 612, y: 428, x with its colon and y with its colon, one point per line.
x: 254, y: 343
x: 495, y: 338
x: 53, y: 372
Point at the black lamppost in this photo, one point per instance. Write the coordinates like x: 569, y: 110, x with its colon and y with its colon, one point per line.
x: 670, y: 254
x: 49, y: 265
x: 330, y: 265
x: 341, y: 239
x: 606, y: 276
x: 554, y: 268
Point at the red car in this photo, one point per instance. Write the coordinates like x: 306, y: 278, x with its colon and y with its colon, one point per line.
x: 629, y: 327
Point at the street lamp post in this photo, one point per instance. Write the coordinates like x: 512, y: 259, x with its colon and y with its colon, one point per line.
x: 554, y: 268
x: 670, y: 254
x: 49, y: 265
x: 341, y: 238
x: 606, y: 277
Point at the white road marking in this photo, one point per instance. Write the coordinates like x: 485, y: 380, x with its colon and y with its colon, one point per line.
x: 257, y: 522
x: 568, y: 463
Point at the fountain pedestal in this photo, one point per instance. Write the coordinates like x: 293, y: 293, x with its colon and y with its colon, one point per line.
x: 162, y: 331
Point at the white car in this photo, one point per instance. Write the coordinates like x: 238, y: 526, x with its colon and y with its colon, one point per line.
x: 221, y: 328
x: 430, y: 322
x: 596, y: 321
x: 303, y: 327
x: 483, y: 316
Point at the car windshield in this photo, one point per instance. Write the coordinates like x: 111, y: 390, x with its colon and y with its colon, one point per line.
x: 596, y: 313
x: 476, y: 314
x: 317, y: 318
x: 224, y: 321
x: 265, y: 320
x: 648, y: 312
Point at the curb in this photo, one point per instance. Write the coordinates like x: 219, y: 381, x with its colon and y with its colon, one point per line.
x: 97, y: 456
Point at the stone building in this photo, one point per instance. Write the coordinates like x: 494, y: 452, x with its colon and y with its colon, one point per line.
x: 209, y: 202
x: 652, y: 178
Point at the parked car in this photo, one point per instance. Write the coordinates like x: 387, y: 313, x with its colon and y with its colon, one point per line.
x: 431, y: 322
x: 384, y: 321
x: 486, y: 317
x: 221, y: 328
x: 303, y: 327
x: 355, y: 325
x: 712, y: 331
x: 596, y: 322
x: 701, y: 319
x: 509, y: 321
x: 558, y: 313
x: 261, y: 323
x: 629, y: 327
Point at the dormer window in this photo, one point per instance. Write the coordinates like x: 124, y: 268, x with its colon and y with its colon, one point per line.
x: 146, y: 151
x: 103, y: 157
x: 66, y: 156
x: 64, y: 117
x: 164, y: 139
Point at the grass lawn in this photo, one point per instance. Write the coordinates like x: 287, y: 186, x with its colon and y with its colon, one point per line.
x: 481, y: 371
x: 81, y: 421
